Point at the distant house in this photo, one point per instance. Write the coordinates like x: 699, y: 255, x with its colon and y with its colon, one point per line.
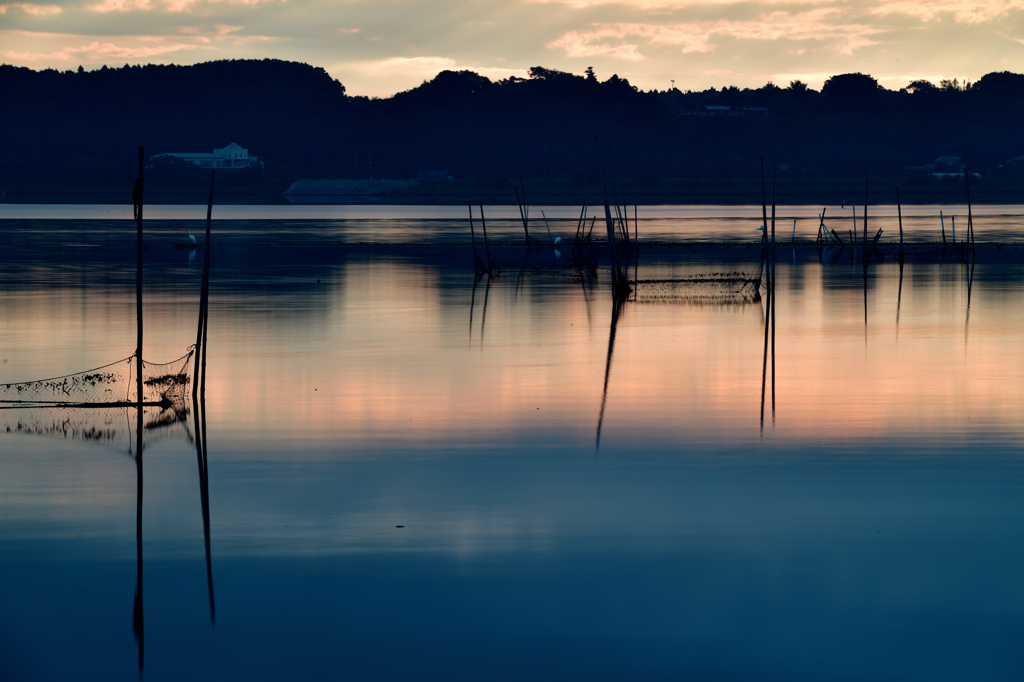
x: 343, y: 191
x: 231, y: 156
x: 719, y: 110
x: 943, y: 167
x: 433, y: 175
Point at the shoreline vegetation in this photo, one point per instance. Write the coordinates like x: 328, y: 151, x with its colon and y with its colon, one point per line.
x: 461, y: 136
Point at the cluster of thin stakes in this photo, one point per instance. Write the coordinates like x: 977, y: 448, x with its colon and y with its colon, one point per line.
x: 95, y: 405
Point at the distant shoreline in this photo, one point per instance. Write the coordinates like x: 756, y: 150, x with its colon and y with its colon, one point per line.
x: 570, y: 192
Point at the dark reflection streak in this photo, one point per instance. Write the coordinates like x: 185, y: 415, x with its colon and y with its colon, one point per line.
x: 967, y: 321
x: 138, y: 622
x: 616, y: 309
x: 773, y: 341
x: 586, y: 301
x: 483, y: 316
x: 899, y: 300
x: 205, y: 499
x: 522, y: 272
x: 204, y: 493
x: 767, y: 327
x: 472, y: 302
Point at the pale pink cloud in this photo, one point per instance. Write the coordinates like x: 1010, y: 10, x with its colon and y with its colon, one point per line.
x: 823, y: 24
x: 30, y: 8
x: 968, y: 12
x: 120, y: 6
x: 177, y: 6
x: 96, y: 52
x: 655, y: 5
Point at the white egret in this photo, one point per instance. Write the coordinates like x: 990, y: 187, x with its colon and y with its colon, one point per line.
x: 191, y: 237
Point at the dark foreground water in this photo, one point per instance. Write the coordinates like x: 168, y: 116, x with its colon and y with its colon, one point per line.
x: 406, y: 477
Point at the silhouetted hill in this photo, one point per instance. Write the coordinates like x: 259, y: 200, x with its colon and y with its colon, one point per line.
x: 73, y: 135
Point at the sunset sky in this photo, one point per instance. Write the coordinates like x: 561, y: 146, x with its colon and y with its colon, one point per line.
x: 379, y: 48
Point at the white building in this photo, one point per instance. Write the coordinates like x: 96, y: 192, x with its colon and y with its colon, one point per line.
x: 231, y: 156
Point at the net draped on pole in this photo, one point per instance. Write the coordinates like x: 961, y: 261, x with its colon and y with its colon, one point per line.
x: 112, y: 384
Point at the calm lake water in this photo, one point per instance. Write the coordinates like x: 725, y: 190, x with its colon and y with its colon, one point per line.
x: 406, y: 478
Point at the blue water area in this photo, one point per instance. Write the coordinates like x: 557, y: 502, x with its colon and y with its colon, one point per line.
x: 403, y: 469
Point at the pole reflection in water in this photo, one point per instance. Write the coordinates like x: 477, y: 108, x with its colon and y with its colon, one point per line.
x: 199, y: 419
x: 617, y: 303
x: 768, y: 317
x: 138, y: 622
x: 899, y: 300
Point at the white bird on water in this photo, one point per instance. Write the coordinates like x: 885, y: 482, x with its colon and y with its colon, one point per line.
x: 191, y: 237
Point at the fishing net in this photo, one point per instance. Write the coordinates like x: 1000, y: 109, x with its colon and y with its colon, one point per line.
x: 112, y: 427
x: 710, y: 289
x: 112, y: 385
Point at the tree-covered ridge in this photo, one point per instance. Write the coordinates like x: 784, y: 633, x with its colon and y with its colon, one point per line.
x: 80, y: 127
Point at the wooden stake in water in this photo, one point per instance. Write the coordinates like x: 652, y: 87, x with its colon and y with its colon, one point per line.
x: 206, y: 290
x: 899, y: 212
x: 773, y: 206
x: 138, y: 620
x: 864, y: 225
x: 583, y: 209
x: 970, y: 218
x: 487, y: 247
x: 522, y: 212
x: 137, y: 198
x: 942, y: 221
x: 764, y: 209
x: 203, y: 295
x: 477, y: 265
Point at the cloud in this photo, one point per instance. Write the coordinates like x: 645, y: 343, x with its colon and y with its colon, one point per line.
x: 29, y: 8
x: 176, y: 6
x: 962, y: 12
x: 661, y: 5
x: 426, y: 68
x: 818, y: 24
x: 405, y: 65
x: 97, y: 52
x: 585, y: 44
x: 120, y: 6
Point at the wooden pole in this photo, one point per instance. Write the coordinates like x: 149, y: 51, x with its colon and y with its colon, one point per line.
x: 200, y: 343
x: 764, y: 209
x: 899, y: 212
x: 137, y: 196
x: 970, y: 217
x: 583, y: 209
x: 487, y: 247
x: 864, y: 224
x: 522, y: 214
x: 773, y: 205
x: 472, y: 235
x: 616, y: 274
x: 138, y: 620
x: 942, y: 221
x: 821, y: 224
x: 206, y: 325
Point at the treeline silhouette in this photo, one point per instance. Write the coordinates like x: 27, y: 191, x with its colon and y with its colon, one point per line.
x: 75, y: 132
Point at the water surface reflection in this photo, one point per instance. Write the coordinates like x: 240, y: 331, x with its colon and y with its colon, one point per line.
x: 401, y: 477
